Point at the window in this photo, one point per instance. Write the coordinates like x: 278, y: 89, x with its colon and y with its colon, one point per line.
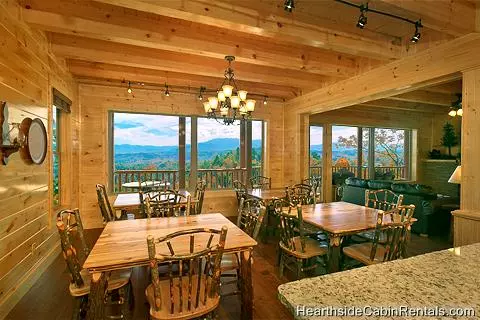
x: 56, y: 155
x: 345, y: 152
x: 390, y: 155
x: 257, y: 148
x: 149, y: 147
x: 316, y: 151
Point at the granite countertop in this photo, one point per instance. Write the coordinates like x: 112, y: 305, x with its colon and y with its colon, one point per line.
x: 447, y: 278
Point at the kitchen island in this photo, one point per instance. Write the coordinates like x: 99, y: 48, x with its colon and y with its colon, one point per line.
x: 426, y: 283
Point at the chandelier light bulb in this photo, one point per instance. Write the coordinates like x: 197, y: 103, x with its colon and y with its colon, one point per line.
x: 460, y: 112
x: 129, y: 90
x: 227, y: 90
x: 206, y: 106
x: 243, y: 110
x: 242, y: 95
x: 452, y: 113
x: 224, y: 111
x: 235, y: 102
x: 213, y: 101
x: 250, y: 104
x: 221, y: 96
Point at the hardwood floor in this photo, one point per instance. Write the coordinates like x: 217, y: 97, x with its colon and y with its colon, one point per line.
x: 49, y: 299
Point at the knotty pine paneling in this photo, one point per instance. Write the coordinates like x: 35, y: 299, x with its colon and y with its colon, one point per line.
x: 97, y: 100
x: 28, y: 238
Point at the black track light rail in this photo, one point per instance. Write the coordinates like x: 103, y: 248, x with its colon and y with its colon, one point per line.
x: 367, y: 9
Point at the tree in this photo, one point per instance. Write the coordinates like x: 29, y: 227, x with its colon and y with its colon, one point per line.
x: 449, y: 138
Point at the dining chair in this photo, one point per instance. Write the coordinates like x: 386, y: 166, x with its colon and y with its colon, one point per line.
x: 316, y: 184
x: 240, y: 190
x: 382, y: 199
x: 199, y: 196
x: 119, y: 287
x: 298, y: 252
x: 395, y: 225
x: 105, y: 208
x: 193, y: 291
x: 261, y: 182
x: 251, y: 214
x: 300, y: 194
x: 166, y: 203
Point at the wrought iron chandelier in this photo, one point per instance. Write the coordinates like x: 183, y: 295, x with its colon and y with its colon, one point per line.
x: 230, y: 104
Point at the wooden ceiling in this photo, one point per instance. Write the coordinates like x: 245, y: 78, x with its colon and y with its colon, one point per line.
x: 278, y: 54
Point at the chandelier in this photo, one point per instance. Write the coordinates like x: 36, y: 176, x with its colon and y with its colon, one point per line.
x: 456, y: 108
x: 230, y: 104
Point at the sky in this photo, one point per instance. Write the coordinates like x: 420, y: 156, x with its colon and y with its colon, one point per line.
x: 160, y: 130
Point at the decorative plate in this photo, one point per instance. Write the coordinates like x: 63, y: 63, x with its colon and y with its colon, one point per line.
x: 35, y: 147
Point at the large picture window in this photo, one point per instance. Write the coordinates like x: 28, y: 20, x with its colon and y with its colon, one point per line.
x: 56, y: 159
x: 158, y: 148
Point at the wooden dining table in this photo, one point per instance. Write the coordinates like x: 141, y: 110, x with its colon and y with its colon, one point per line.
x: 267, y: 195
x: 340, y: 219
x: 123, y: 244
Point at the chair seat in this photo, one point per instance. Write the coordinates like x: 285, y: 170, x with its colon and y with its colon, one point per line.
x: 229, y: 262
x: 165, y: 310
x: 361, y: 252
x: 313, y: 248
x: 117, y: 279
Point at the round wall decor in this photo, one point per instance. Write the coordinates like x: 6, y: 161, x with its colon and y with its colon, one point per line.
x: 34, y: 149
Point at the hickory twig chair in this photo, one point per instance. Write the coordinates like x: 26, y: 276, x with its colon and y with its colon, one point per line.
x: 300, y: 194
x: 316, y: 184
x: 261, y: 182
x: 194, y: 290
x: 105, y: 208
x: 395, y: 225
x: 165, y: 204
x: 240, y: 190
x: 119, y: 287
x: 298, y: 252
x: 199, y: 196
x: 251, y: 213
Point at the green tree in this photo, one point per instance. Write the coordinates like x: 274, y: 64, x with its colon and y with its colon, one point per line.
x: 449, y: 139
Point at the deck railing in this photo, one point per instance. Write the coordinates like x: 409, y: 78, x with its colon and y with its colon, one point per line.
x: 397, y: 171
x: 214, y: 178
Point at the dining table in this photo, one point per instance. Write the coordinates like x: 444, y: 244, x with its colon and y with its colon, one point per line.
x: 338, y: 220
x: 145, y: 185
x: 267, y: 195
x: 123, y: 244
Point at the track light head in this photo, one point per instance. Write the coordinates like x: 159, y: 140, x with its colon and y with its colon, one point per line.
x: 362, y: 19
x: 265, y: 100
x: 167, y: 92
x: 289, y: 5
x: 200, y: 95
x: 416, y: 36
x: 129, y: 89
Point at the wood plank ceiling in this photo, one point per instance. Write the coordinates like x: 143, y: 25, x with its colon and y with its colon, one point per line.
x: 278, y: 54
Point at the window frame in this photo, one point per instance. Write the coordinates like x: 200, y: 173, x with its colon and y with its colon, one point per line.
x: 56, y: 134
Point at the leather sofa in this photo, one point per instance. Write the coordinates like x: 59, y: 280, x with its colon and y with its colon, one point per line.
x: 431, y: 219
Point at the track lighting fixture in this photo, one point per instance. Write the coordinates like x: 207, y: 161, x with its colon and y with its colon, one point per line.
x: 416, y: 36
x: 362, y: 19
x: 200, y: 95
x: 456, y: 108
x: 167, y: 92
x: 265, y: 100
x: 289, y: 5
x: 129, y: 88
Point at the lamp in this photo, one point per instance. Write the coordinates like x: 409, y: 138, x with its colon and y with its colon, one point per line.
x: 456, y: 176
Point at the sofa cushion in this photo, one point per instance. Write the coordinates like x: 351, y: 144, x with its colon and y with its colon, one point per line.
x: 357, y: 182
x: 379, y: 184
x: 414, y: 189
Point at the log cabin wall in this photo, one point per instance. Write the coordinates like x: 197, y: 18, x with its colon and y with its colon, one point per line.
x: 97, y: 100
x: 28, y: 237
x: 429, y: 126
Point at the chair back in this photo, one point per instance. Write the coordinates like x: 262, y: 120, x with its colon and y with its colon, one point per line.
x: 240, y: 190
x: 261, y: 182
x: 316, y: 184
x: 395, y: 231
x: 199, y: 195
x: 70, y: 224
x: 382, y: 199
x: 251, y: 213
x: 291, y: 226
x: 300, y: 194
x: 168, y: 203
x: 105, y: 208
x: 197, y: 281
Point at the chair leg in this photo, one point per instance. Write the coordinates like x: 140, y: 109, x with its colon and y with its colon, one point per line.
x: 299, y: 268
x: 281, y: 263
x: 131, y: 296
x: 77, y: 308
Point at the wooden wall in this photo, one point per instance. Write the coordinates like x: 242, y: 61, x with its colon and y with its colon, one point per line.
x: 428, y: 125
x: 28, y: 237
x: 97, y: 100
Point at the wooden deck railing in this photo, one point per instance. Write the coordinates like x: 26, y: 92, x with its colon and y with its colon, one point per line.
x: 215, y: 178
x: 398, y: 171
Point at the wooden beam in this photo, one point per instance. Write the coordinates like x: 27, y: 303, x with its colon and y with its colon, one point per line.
x: 405, y: 106
x: 235, y: 17
x: 441, y: 64
x: 86, y: 71
x: 452, y: 17
x: 87, y: 20
x: 128, y: 55
x: 426, y: 97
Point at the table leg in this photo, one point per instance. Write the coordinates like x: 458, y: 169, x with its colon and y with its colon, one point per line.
x: 334, y: 253
x: 96, y: 298
x: 246, y: 284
